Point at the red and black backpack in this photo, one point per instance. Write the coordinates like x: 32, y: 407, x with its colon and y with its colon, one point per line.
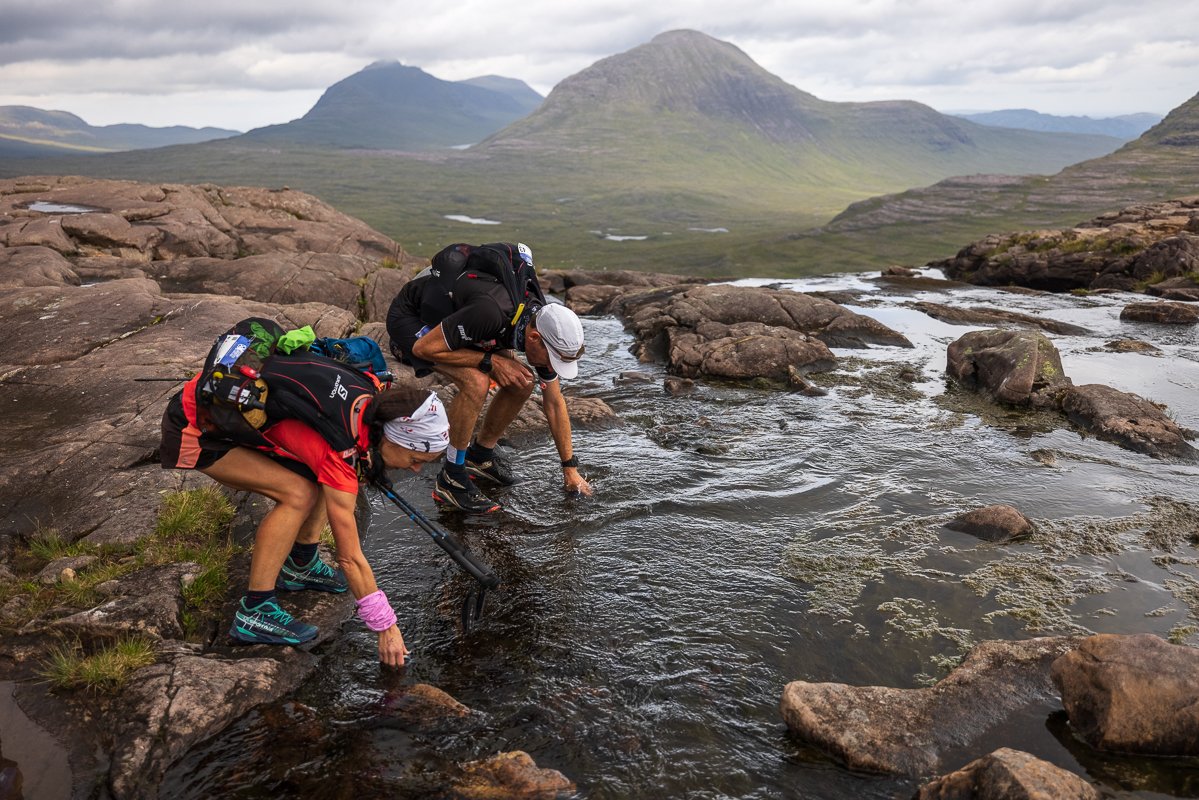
x: 247, y: 385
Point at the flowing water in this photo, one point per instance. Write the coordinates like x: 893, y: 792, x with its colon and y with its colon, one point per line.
x: 741, y: 538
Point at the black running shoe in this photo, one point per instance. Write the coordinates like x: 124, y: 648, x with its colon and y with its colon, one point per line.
x: 494, y: 469
x: 450, y: 492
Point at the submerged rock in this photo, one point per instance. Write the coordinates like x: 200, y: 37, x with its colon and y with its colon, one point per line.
x: 510, y: 775
x: 909, y: 731
x: 1130, y: 346
x: 954, y: 315
x: 1008, y: 774
x: 1132, y: 694
x: 997, y: 523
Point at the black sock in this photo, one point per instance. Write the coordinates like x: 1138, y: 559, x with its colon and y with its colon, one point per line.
x: 477, y: 452
x: 301, y: 554
x: 254, y: 599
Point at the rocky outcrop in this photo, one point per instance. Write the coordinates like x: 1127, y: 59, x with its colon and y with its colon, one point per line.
x: 910, y: 731
x: 1008, y: 774
x: 1020, y: 368
x: 271, y: 245
x: 1024, y: 369
x: 1132, y: 694
x: 997, y: 523
x: 107, y: 312
x: 1128, y: 249
x: 1184, y: 289
x: 738, y: 332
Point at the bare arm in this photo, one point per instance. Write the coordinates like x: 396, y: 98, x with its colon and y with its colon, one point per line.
x: 505, y: 371
x: 340, y: 506
x: 554, y: 405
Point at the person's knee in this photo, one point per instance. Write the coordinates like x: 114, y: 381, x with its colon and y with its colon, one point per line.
x: 521, y: 392
x: 473, y: 385
x: 300, y: 494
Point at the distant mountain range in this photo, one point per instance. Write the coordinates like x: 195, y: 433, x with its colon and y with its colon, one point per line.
x: 27, y: 132
x: 679, y: 155
x: 389, y: 106
x: 1125, y: 127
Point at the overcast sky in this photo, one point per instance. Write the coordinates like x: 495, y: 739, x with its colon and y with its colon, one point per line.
x: 242, y: 64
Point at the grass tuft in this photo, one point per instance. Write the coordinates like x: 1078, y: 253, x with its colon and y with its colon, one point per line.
x: 106, y: 670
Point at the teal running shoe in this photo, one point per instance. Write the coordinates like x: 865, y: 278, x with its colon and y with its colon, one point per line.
x: 316, y: 574
x: 269, y: 624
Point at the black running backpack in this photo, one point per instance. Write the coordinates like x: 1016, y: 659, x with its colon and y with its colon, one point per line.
x: 498, y: 261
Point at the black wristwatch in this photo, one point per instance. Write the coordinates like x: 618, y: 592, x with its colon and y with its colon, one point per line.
x: 484, y: 366
x: 573, y: 461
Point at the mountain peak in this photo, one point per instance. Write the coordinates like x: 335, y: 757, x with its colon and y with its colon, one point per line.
x: 682, y: 74
x: 1180, y: 128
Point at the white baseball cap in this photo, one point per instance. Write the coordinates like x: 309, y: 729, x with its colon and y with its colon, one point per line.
x: 562, y: 332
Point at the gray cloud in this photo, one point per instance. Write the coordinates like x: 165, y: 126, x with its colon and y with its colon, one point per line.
x: 1060, y: 56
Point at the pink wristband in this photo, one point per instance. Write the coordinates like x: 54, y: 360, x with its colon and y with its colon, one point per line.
x: 376, y: 612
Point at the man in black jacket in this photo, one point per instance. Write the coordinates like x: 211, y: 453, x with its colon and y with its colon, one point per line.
x: 476, y: 343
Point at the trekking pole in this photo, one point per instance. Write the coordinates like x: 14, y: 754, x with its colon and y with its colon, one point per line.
x: 479, y: 571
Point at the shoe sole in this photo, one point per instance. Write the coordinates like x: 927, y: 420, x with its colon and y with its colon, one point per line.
x: 249, y: 637
x: 294, y: 586
x: 451, y: 504
x: 475, y: 472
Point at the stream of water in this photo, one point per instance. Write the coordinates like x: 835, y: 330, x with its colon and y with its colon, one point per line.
x: 739, y: 539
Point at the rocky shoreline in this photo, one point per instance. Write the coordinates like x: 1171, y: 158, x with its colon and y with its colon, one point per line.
x: 109, y: 305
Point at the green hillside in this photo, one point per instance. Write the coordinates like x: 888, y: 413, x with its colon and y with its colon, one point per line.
x: 388, y: 106
x: 681, y: 155
x: 920, y: 225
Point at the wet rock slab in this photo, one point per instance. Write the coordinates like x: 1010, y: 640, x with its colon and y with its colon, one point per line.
x: 909, y: 731
x: 1128, y: 420
x: 1163, y: 313
x: 954, y: 315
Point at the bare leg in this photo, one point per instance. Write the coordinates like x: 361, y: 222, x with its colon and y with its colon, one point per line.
x: 314, y: 526
x: 295, y: 501
x: 504, y: 407
x: 464, y: 409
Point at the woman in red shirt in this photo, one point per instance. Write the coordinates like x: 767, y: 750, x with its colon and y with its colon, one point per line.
x: 311, y: 484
